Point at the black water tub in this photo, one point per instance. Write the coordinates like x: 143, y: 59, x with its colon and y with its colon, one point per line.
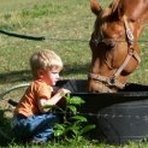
x: 119, y: 117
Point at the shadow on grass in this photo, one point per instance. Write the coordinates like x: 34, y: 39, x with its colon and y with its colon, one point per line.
x: 25, y: 75
x: 75, y: 69
x: 5, y: 130
x: 15, y: 76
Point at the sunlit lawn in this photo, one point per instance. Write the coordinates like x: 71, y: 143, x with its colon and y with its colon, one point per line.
x: 67, y: 26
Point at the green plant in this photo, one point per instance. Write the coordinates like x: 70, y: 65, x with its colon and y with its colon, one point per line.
x: 74, y: 123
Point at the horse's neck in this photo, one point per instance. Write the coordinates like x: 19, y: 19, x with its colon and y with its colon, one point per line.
x: 136, y: 10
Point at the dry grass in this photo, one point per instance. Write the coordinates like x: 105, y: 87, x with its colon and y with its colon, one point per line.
x: 67, y: 25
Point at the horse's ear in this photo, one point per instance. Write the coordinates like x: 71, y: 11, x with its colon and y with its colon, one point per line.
x: 95, y: 7
x: 120, y: 10
x: 117, y: 9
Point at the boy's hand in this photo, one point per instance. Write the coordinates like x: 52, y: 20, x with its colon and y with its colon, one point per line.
x: 63, y: 91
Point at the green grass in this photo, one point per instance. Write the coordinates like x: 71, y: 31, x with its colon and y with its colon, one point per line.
x: 67, y: 26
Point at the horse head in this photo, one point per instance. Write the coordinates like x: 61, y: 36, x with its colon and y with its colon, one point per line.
x: 114, y: 43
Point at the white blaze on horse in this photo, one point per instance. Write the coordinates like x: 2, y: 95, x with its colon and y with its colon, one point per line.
x: 114, y: 43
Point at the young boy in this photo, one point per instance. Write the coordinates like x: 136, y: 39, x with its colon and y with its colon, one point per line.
x: 31, y: 120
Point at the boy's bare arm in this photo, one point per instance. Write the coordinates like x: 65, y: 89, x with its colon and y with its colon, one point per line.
x: 43, y: 103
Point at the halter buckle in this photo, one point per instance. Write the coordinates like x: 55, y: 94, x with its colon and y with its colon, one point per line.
x: 111, y: 81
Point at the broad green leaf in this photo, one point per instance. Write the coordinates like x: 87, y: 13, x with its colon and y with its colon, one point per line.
x: 72, y: 108
x: 79, y: 118
x: 75, y: 100
x: 87, y: 128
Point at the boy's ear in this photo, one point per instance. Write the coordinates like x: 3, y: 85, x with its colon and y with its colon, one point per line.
x: 40, y: 73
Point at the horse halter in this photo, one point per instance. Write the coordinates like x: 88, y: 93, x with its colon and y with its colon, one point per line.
x: 112, y: 81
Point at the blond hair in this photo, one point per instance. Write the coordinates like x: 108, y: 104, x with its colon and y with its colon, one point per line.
x: 43, y: 60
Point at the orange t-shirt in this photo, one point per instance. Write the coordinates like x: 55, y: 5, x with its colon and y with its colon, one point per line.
x: 28, y: 105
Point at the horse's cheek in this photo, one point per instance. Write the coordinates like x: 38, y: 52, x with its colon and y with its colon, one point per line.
x: 131, y: 67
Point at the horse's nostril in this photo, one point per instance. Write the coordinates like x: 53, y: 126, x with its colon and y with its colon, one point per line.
x: 112, y: 44
x: 109, y: 42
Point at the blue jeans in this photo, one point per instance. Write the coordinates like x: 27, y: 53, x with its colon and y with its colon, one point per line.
x: 36, y: 127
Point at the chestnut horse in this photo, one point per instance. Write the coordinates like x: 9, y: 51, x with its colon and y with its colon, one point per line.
x: 114, y: 43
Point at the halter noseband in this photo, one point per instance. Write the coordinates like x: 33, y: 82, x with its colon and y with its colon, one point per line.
x: 112, y: 80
